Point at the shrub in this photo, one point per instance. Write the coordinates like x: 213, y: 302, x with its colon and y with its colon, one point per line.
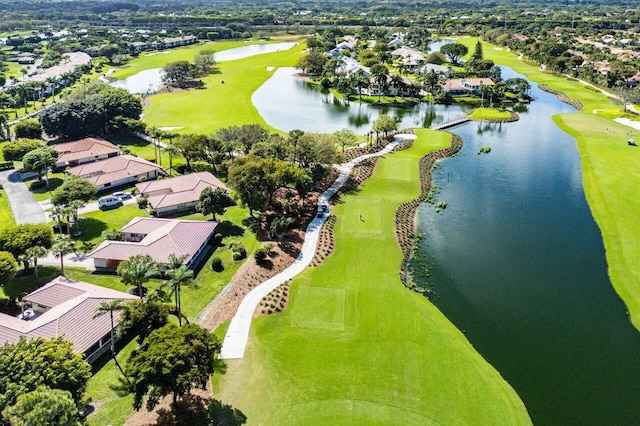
x: 29, y: 129
x: 6, y: 165
x: 153, y: 212
x: 217, y: 239
x: 261, y: 254
x: 36, y: 184
x: 238, y: 252
x: 216, y: 264
x: 14, y: 151
x: 143, y: 202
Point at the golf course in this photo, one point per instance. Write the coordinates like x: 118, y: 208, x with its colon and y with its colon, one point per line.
x: 354, y: 346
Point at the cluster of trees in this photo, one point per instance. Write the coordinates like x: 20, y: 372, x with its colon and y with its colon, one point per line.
x: 98, y: 110
x: 182, y: 73
x: 41, y: 382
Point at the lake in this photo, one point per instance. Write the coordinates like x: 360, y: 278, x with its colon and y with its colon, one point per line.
x: 517, y: 262
x: 289, y: 103
x: 148, y: 81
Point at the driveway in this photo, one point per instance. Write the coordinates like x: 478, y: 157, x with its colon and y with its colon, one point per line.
x: 88, y: 208
x: 25, y: 208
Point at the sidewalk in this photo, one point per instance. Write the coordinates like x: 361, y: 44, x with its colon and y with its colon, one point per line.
x: 72, y: 259
x: 25, y: 208
x: 237, y: 336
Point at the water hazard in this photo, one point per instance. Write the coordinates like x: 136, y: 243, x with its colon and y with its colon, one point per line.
x: 517, y: 262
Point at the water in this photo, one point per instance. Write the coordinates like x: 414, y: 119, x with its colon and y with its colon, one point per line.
x: 148, y: 81
x: 517, y: 263
x: 289, y: 103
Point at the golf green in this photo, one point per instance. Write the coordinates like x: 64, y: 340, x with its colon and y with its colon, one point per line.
x: 354, y: 346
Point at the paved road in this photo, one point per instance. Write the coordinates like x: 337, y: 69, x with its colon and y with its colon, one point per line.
x: 88, y: 208
x: 235, y: 341
x: 25, y: 208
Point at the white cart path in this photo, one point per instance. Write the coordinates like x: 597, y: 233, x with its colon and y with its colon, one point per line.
x: 235, y: 341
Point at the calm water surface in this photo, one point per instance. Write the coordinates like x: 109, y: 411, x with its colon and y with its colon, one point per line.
x: 517, y: 263
x: 289, y: 103
x: 148, y: 81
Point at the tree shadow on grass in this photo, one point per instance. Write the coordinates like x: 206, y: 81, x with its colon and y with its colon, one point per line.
x: 228, y: 229
x: 91, y: 228
x: 26, y: 283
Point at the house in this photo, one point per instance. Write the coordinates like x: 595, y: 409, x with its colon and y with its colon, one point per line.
x: 407, y: 88
x: 177, y: 194
x: 64, y: 307
x: 465, y: 86
x: 117, y: 171
x: 396, y: 42
x: 438, y: 69
x: 171, y: 42
x: 158, y: 238
x: 348, y: 66
x: 139, y: 46
x: 83, y: 151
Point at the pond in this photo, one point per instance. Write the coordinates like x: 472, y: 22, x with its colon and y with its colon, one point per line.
x: 517, y: 262
x: 287, y: 103
x: 148, y: 81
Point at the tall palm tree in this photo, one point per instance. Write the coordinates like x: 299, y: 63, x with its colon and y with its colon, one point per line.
x: 178, y: 278
x: 33, y: 253
x: 57, y: 213
x: 111, y: 307
x: 62, y: 246
x: 398, y: 83
x: 76, y: 205
x: 172, y: 150
x: 137, y: 270
x: 51, y: 83
x: 68, y: 211
x: 44, y: 160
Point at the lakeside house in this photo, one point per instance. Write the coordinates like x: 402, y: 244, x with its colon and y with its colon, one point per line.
x: 178, y: 194
x: 83, y: 151
x: 465, y: 86
x: 64, y: 307
x: 117, y: 171
x: 158, y: 238
x: 438, y: 69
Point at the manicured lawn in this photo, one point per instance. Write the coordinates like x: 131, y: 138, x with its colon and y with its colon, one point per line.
x: 92, y: 224
x: 158, y: 59
x: 44, y: 193
x: 489, y: 114
x: 354, y: 346
x: 6, y: 214
x: 219, y: 105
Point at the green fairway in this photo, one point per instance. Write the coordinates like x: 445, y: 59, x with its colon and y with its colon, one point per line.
x: 489, y: 114
x: 354, y: 346
x: 219, y: 105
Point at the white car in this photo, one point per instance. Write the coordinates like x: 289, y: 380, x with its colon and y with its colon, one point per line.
x: 122, y: 195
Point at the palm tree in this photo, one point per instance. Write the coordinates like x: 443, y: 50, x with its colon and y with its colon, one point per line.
x: 68, y: 211
x: 51, y: 83
x: 33, y: 253
x: 76, y: 205
x: 172, y: 150
x: 137, y: 270
x: 44, y: 160
x: 62, y: 246
x: 110, y: 307
x: 57, y: 213
x: 177, y: 278
x: 398, y: 83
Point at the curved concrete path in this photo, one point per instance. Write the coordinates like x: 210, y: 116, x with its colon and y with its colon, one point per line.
x: 235, y: 341
x: 25, y: 208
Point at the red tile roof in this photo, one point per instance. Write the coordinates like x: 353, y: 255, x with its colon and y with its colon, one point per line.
x: 114, y: 169
x: 162, y: 238
x: 72, y: 306
x: 178, y: 190
x: 84, y: 148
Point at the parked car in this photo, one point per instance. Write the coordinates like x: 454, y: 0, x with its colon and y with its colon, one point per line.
x: 109, y: 202
x: 122, y: 195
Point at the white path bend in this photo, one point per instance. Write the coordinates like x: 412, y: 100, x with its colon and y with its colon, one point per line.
x: 235, y: 341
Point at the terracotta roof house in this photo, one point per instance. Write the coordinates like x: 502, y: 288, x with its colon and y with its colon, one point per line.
x: 85, y: 150
x: 117, y: 171
x: 158, y: 238
x: 177, y: 194
x: 65, y: 307
x: 465, y: 86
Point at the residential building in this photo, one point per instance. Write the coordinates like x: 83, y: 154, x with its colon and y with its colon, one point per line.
x: 117, y: 171
x: 64, y: 307
x: 82, y: 151
x: 158, y: 238
x: 465, y: 86
x: 177, y: 194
